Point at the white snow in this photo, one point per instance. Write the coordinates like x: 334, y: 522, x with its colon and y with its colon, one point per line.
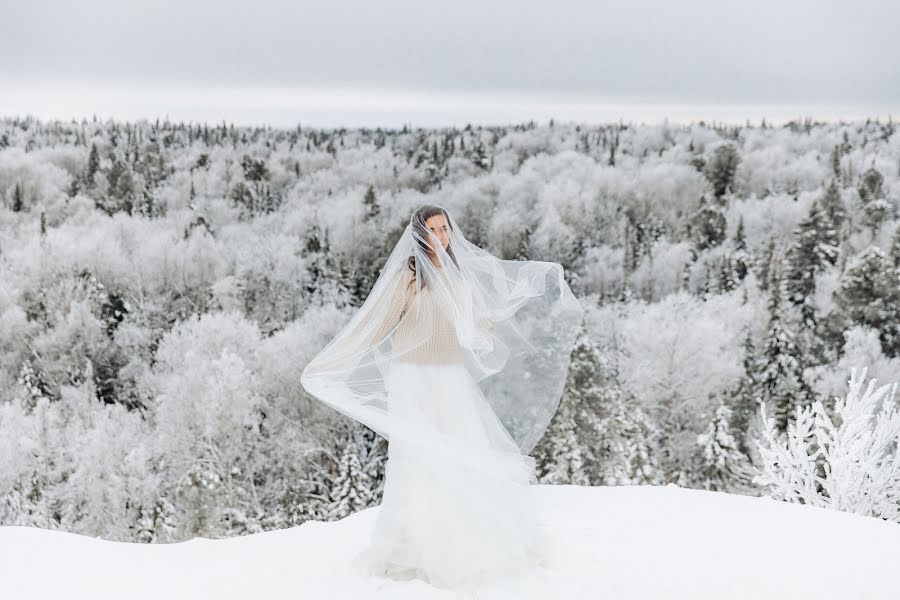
x: 627, y: 542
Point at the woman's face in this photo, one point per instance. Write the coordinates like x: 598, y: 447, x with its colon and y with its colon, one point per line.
x: 440, y: 228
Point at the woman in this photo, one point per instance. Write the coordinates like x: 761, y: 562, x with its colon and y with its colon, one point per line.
x: 458, y: 358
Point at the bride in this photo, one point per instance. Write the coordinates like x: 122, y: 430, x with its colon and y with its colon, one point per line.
x: 458, y: 359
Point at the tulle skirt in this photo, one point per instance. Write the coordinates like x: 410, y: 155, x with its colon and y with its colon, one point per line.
x: 457, y: 508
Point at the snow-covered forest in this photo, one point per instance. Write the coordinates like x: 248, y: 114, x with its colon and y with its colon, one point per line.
x: 163, y: 285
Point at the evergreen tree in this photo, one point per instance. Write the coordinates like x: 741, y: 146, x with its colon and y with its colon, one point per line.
x: 560, y: 457
x: 628, y: 441
x: 93, y: 164
x: 371, y: 203
x: 744, y: 397
x: 781, y: 382
x: 352, y: 488
x: 721, y: 466
x: 895, y: 248
x: 741, y: 259
x: 728, y: 278
x: 764, y: 264
x: 878, y: 211
x: 33, y: 385
x: 721, y: 168
x: 836, y: 162
x: 565, y: 452
x: 17, y: 199
x: 814, y: 248
x: 709, y: 225
x: 74, y: 187
x: 833, y: 205
x: 871, y: 185
x: 869, y: 294
x: 479, y: 156
x: 156, y: 523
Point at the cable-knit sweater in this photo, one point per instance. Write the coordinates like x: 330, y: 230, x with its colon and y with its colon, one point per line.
x: 410, y: 308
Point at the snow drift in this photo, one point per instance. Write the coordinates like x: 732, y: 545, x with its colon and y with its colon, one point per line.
x: 608, y: 542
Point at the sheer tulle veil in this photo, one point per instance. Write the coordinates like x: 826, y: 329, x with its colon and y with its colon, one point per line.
x: 512, y: 324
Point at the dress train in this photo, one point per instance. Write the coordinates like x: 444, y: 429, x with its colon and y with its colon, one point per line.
x: 458, y: 505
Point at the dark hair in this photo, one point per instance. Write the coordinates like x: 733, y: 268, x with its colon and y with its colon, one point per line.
x: 420, y: 232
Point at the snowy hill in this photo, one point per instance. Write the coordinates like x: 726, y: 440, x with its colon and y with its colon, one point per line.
x: 615, y: 542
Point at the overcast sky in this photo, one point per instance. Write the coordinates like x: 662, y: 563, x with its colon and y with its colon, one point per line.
x: 389, y: 62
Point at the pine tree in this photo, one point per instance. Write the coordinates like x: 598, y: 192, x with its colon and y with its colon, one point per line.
x: 74, y: 187
x: 721, y: 466
x: 878, y: 211
x: 709, y: 225
x: 871, y: 185
x: 627, y: 442
x: 780, y: 376
x: 764, y: 264
x: 869, y: 294
x: 17, y: 199
x: 836, y: 162
x: 721, y: 168
x: 814, y: 248
x: 352, y: 488
x: 371, y: 203
x: 833, y: 205
x: 479, y: 156
x: 93, y: 164
x: 156, y: 523
x: 565, y: 453
x: 728, y: 279
x: 560, y: 456
x: 895, y: 248
x: 741, y: 259
x: 744, y: 396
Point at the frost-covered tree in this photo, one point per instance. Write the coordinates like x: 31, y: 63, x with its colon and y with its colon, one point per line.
x: 565, y: 453
x: 628, y: 442
x: 764, y: 264
x: 136, y: 233
x: 895, y: 248
x: 780, y: 370
x: 207, y: 418
x: 708, y: 225
x: 352, y: 488
x: 743, y: 397
x: 815, y: 248
x: 560, y: 455
x: 856, y: 445
x: 871, y: 185
x: 741, y: 260
x: 721, y: 466
x: 833, y: 205
x: 371, y: 203
x: 93, y: 165
x: 18, y: 201
x: 869, y: 294
x: 720, y: 169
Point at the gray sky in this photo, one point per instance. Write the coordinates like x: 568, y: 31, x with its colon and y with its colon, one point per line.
x: 387, y: 62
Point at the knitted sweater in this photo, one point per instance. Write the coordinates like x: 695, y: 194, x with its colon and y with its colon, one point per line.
x: 411, y: 308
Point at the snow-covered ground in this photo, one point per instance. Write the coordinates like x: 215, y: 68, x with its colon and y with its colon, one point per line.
x: 612, y: 542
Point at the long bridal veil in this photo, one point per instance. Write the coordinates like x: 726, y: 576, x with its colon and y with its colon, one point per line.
x: 458, y: 358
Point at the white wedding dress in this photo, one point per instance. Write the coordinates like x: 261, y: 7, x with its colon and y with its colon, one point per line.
x: 458, y: 359
x: 458, y: 520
